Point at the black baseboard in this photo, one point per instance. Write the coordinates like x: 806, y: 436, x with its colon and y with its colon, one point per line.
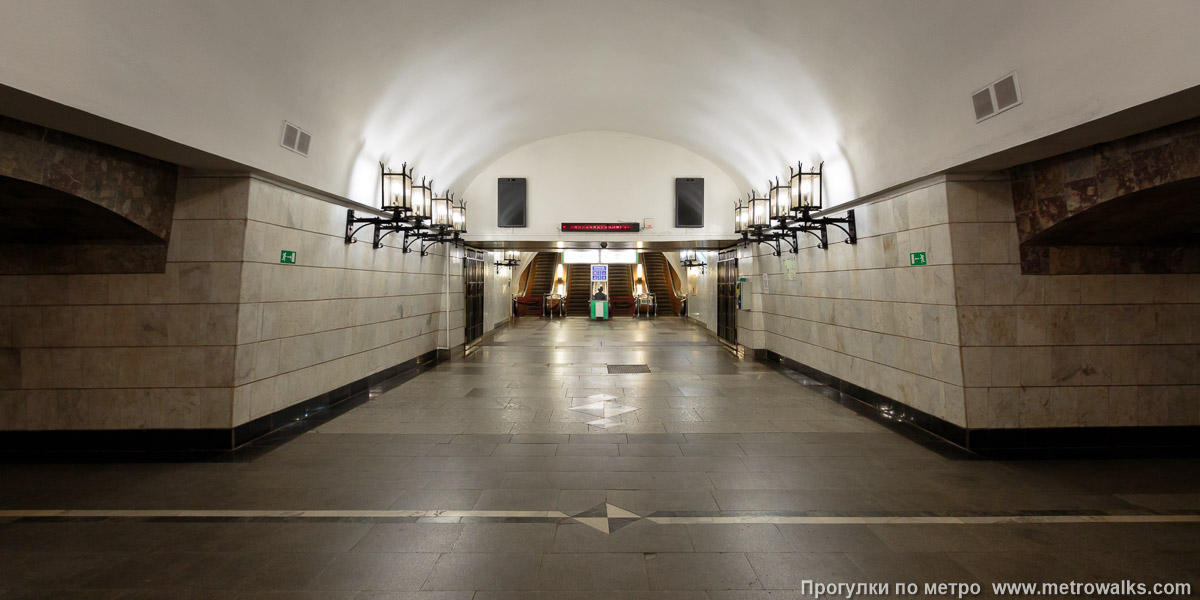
x: 1084, y: 442
x: 191, y: 444
x: 935, y: 433
x: 1048, y: 442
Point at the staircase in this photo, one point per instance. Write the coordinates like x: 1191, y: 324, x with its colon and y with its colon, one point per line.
x: 579, y: 287
x: 660, y: 279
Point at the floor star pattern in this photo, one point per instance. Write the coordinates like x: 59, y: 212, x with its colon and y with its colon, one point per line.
x: 606, y: 518
x: 604, y: 408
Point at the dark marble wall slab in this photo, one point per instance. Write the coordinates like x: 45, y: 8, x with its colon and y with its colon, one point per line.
x: 139, y: 189
x: 1107, y: 260
x: 1048, y: 194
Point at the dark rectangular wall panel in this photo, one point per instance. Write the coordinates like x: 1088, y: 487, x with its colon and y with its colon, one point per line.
x: 689, y: 202
x: 510, y: 202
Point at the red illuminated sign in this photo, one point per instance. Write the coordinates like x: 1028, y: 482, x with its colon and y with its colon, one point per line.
x: 603, y: 227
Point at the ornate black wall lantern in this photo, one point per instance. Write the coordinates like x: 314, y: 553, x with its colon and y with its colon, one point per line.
x: 412, y: 210
x: 787, y: 211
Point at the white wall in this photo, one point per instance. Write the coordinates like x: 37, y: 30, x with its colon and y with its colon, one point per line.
x: 600, y: 176
x: 497, y: 293
x: 701, y: 288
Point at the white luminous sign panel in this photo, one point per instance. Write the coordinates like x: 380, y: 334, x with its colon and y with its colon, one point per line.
x: 589, y: 257
x: 618, y: 257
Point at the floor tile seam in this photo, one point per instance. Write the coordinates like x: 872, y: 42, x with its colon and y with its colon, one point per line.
x: 694, y: 520
x: 928, y: 516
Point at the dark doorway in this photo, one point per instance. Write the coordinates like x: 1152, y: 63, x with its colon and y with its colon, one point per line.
x: 473, y: 295
x: 727, y: 276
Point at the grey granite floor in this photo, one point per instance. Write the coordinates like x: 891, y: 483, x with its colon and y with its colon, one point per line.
x: 526, y: 470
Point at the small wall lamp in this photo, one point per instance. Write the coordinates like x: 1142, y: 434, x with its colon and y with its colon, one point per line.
x: 511, y: 259
x: 691, y: 259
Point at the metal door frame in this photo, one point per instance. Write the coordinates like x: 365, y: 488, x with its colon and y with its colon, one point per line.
x: 727, y: 276
x: 473, y: 291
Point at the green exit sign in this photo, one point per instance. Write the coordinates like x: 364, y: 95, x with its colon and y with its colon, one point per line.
x: 916, y: 258
x: 287, y: 257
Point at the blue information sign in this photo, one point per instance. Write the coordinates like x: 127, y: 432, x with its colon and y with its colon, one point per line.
x: 599, y: 272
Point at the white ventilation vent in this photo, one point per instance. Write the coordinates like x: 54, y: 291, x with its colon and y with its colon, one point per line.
x: 1001, y: 95
x: 295, y: 139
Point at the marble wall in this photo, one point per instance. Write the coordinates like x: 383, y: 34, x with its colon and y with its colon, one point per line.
x: 1066, y: 350
x: 968, y: 337
x: 861, y: 312
x: 1121, y: 207
x: 139, y: 188
x: 228, y: 333
x: 341, y: 313
x: 132, y: 351
x: 1050, y: 191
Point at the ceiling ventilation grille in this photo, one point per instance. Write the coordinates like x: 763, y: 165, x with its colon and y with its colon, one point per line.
x: 295, y: 139
x: 999, y: 96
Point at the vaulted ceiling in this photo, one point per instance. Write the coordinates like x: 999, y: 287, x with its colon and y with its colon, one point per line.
x: 878, y: 89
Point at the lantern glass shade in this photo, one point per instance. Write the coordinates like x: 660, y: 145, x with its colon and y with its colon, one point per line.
x: 779, y: 200
x: 688, y: 256
x: 458, y: 216
x: 441, y: 212
x: 512, y: 256
x: 794, y: 188
x: 760, y: 212
x: 741, y: 218
x: 397, y: 191
x: 807, y: 190
x: 420, y: 199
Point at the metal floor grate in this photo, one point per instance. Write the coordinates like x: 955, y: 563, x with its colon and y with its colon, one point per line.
x: 628, y: 369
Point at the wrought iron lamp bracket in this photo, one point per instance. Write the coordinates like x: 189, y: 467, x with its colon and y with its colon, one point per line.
x: 390, y: 228
x: 426, y: 244
x: 412, y: 236
x: 362, y: 222
x: 850, y: 229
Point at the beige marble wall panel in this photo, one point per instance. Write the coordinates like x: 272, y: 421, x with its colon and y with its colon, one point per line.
x: 1066, y: 350
x: 226, y: 333
x: 342, y: 313
x: 861, y: 313
x: 133, y: 351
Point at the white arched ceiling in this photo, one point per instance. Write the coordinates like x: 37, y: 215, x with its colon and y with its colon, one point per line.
x: 878, y: 89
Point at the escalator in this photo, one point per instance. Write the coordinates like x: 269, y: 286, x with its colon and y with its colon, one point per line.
x: 662, y: 281
x: 620, y: 289
x: 579, y: 289
x: 537, y: 280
